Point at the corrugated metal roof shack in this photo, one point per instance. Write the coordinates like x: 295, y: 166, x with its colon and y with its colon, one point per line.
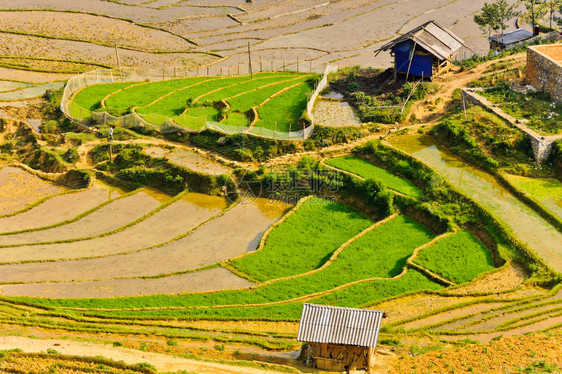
x: 510, y: 39
x: 340, y: 338
x: 425, y: 51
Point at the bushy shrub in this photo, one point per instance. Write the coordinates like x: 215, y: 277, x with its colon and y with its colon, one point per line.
x: 352, y: 87
x: 71, y: 155
x: 49, y: 127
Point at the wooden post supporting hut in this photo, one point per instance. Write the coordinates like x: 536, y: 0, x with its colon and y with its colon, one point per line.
x: 340, y: 338
x: 426, y: 51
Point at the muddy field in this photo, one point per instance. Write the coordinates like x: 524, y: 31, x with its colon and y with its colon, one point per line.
x: 100, y: 242
x: 87, y: 27
x: 19, y: 189
x: 314, y: 31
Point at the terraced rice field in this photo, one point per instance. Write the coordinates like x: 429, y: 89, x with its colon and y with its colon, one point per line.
x: 164, y: 261
x: 19, y: 189
x: 459, y: 257
x: 546, y: 191
x: 366, y: 170
x: 170, y: 243
x: 183, y: 100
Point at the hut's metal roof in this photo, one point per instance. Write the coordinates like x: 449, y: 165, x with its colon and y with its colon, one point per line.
x: 432, y: 37
x: 337, y: 325
x: 512, y: 37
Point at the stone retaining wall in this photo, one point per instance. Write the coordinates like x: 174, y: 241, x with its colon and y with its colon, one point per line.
x: 542, y: 145
x: 543, y: 72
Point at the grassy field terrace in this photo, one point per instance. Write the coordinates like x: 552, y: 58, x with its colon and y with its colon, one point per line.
x: 365, y: 169
x: 278, y: 98
x: 336, y: 256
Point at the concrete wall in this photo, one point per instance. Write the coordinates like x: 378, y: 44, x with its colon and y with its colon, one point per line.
x: 544, y: 74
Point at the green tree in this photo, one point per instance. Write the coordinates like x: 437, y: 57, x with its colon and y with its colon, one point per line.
x: 505, y: 12
x: 553, y: 5
x: 487, y: 20
x: 536, y: 10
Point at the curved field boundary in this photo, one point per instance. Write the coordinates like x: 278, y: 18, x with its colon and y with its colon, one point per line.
x: 128, y: 48
x: 102, y: 102
x: 106, y: 16
x: 46, y: 214
x: 85, y: 63
x: 262, y: 285
x: 135, y: 120
x: 332, y: 258
x: 236, y: 84
x: 149, y: 83
x: 503, y: 312
x: 175, y: 92
x: 261, y: 87
x: 72, y: 220
x: 515, y: 304
x: 50, y: 177
x: 138, y: 220
x: 428, y: 273
x: 461, y: 305
x: 58, y: 190
x: 358, y: 177
x: 476, y: 298
x: 181, y: 236
x: 504, y: 229
x: 269, y: 230
x: 278, y: 93
x: 33, y: 205
x: 254, y: 109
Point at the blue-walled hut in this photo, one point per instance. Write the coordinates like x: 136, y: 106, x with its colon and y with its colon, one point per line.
x: 425, y: 51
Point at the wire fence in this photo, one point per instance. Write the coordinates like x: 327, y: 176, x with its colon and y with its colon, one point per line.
x: 184, y: 122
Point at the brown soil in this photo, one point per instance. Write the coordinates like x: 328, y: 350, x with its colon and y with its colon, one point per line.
x: 435, y: 105
x: 30, y: 46
x: 31, y: 76
x: 165, y: 225
x: 95, y: 29
x: 505, y: 279
x: 116, y: 214
x: 22, y: 110
x: 195, y: 161
x: 456, y: 313
x: 505, y: 355
x: 162, y: 362
x: 55, y: 210
x: 19, y: 189
x: 335, y: 114
x: 277, y: 30
x: 200, y: 281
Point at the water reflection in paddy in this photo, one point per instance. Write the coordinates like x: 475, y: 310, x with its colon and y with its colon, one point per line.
x: 528, y: 226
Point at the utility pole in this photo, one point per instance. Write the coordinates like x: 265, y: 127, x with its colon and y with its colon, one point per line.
x: 118, y: 62
x: 250, y: 62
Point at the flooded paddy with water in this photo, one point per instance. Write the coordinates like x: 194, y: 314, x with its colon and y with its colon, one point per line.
x: 237, y: 231
x: 160, y: 227
x: 526, y: 224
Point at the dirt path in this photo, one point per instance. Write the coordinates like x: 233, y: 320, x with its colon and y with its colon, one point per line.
x: 131, y: 356
x: 433, y: 106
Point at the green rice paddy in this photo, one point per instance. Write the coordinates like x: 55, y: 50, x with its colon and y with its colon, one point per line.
x: 367, y: 170
x: 183, y: 100
x: 459, y: 257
